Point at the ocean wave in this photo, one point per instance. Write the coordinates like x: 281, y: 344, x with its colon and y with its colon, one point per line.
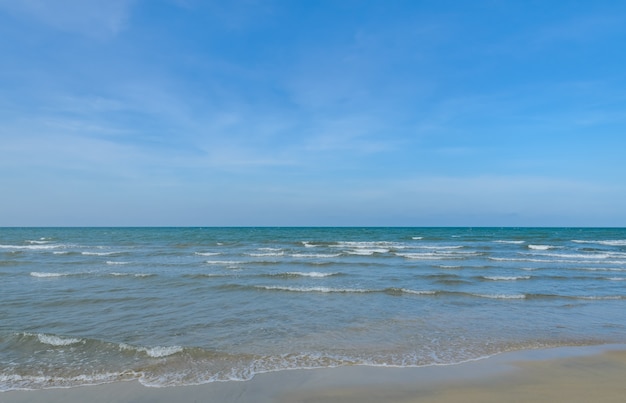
x: 266, y: 254
x: 202, y: 367
x: 49, y: 274
x: 506, y: 278
x: 32, y: 382
x: 530, y: 260
x: 439, y: 247
x: 154, y: 352
x: 367, y: 252
x: 414, y: 292
x: 614, y: 242
x: 100, y: 253
x: 437, y: 293
x: 34, y: 247
x: 541, y: 247
x: 315, y: 255
x: 51, y: 339
x: 116, y: 263
x: 207, y: 253
x: 606, y: 255
x: 390, y: 290
x: 58, y: 341
x: 224, y: 262
x: 313, y: 289
x: 570, y: 261
x: 436, y: 255
x: 206, y: 275
x: 616, y: 269
x: 313, y: 274
x: 500, y: 296
x: 509, y: 242
x: 61, y: 341
x: 601, y: 297
x: 576, y: 297
x: 140, y: 275
x: 371, y: 245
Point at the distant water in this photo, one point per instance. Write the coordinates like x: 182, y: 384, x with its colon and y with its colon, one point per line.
x: 175, y: 306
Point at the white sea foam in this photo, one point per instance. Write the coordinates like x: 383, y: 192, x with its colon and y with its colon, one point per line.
x: 39, y: 242
x: 606, y: 255
x: 36, y: 382
x: 315, y: 274
x: 308, y: 245
x: 222, y: 262
x: 434, y: 255
x: 158, y: 352
x: 114, y: 263
x: 418, y: 292
x: 207, y: 253
x: 540, y: 247
x: 423, y: 256
x: 99, y: 253
x: 155, y: 352
x: 47, y: 274
x: 616, y: 278
x: 316, y: 255
x: 443, y: 266
x: 599, y: 269
x: 33, y: 247
x: 439, y: 247
x: 614, y: 242
x: 57, y: 341
x: 510, y: 242
x: 417, y: 238
x: 266, y: 254
x: 533, y: 260
x: 312, y: 289
x: 501, y: 296
x: 605, y: 297
x: 506, y: 278
x: 368, y: 245
x: 118, y: 274
x: 366, y: 252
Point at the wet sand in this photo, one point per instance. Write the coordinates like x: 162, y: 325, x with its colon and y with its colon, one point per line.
x: 571, y: 374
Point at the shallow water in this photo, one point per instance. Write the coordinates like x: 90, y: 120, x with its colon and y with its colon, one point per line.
x: 173, y: 306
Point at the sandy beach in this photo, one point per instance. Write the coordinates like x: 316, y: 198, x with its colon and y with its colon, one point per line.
x: 576, y: 374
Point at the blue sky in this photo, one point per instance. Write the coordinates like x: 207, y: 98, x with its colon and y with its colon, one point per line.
x: 409, y: 113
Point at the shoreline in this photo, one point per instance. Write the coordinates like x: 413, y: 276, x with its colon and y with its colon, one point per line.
x: 562, y: 374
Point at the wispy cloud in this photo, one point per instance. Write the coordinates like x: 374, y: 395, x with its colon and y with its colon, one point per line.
x: 364, y: 114
x: 94, y: 18
x: 579, y: 29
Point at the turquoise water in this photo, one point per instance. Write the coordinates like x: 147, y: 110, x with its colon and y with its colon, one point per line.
x: 175, y: 306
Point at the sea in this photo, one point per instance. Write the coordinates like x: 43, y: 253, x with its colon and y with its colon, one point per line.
x: 187, y: 306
